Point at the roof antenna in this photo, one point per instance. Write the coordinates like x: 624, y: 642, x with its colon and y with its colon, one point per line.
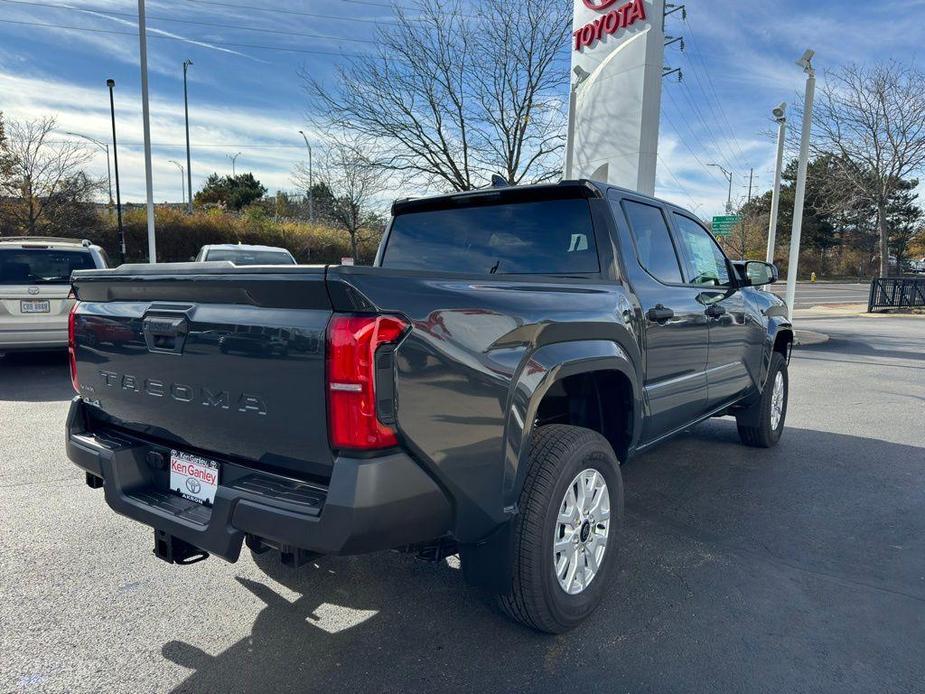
x: 498, y: 181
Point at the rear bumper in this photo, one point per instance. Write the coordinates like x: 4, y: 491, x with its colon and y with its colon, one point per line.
x: 36, y: 337
x: 369, y: 504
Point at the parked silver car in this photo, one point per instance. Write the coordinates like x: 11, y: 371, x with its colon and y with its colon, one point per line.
x: 35, y: 280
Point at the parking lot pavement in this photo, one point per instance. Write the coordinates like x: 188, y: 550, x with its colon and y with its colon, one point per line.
x: 800, y: 568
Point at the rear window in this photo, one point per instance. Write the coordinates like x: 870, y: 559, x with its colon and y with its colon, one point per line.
x: 41, y: 266
x: 244, y: 257
x: 543, y: 237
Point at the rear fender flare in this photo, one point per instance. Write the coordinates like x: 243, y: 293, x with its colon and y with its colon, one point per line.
x: 545, y: 367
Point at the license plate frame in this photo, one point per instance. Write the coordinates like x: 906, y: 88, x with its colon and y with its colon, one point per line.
x: 33, y: 306
x: 193, y: 477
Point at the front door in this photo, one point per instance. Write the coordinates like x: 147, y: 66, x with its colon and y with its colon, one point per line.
x: 722, y: 302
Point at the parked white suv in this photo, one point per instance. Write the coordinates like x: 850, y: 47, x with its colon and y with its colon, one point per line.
x: 243, y: 254
x: 35, y: 280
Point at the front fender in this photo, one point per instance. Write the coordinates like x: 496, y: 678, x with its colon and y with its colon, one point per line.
x: 545, y: 367
x: 778, y: 323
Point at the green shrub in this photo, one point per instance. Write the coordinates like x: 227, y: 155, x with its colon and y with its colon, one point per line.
x: 181, y: 235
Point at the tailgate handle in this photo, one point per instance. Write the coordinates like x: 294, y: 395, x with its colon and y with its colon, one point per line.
x: 165, y: 333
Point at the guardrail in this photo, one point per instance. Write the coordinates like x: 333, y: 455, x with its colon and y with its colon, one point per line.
x: 896, y: 292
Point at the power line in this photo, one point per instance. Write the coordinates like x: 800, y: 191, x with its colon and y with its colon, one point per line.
x: 297, y: 13
x: 678, y: 183
x: 133, y: 15
x: 683, y: 141
x: 719, y: 104
x: 694, y: 107
x: 205, y: 42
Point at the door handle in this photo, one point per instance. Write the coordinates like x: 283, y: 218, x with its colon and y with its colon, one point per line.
x: 659, y: 314
x: 715, y: 311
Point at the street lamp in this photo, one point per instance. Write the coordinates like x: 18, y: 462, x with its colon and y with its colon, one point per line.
x: 580, y: 76
x: 182, y: 181
x: 189, y: 166
x: 311, y: 185
x: 728, y: 176
x: 792, y: 265
x: 111, y: 83
x: 103, y: 146
x: 780, y: 115
x: 234, y: 158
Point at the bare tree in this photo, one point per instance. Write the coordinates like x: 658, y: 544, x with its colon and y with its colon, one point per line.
x: 457, y: 92
x: 45, y: 183
x: 354, y: 182
x: 873, y: 120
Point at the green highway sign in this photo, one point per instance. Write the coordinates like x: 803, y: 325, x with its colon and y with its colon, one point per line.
x: 723, y: 225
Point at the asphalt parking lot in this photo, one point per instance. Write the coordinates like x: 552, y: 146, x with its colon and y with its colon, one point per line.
x: 800, y: 568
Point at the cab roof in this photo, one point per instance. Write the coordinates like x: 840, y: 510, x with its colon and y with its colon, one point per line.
x: 45, y: 242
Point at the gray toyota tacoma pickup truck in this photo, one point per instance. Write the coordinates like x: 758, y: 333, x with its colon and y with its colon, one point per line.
x: 473, y: 392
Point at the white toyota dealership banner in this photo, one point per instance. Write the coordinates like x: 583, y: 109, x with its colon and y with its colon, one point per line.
x: 618, y: 48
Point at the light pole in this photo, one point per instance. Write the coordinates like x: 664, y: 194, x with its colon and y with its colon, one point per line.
x: 580, y: 76
x: 111, y: 83
x: 146, y: 123
x: 780, y: 115
x: 189, y: 166
x: 792, y: 265
x: 311, y: 184
x: 182, y: 180
x: 103, y: 146
x: 728, y: 176
x: 234, y: 158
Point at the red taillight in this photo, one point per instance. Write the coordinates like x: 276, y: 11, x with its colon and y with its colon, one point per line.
x: 71, y: 346
x: 351, y: 364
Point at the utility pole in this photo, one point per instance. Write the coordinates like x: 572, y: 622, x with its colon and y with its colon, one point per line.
x: 780, y: 115
x: 146, y: 119
x: 806, y: 63
x: 111, y: 83
x: 182, y: 181
x: 728, y: 176
x: 751, y: 179
x: 234, y: 158
x: 189, y: 166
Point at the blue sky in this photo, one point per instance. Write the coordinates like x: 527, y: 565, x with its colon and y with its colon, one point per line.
x: 739, y: 63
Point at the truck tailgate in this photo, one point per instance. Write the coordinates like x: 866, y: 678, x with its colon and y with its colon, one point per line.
x: 210, y: 358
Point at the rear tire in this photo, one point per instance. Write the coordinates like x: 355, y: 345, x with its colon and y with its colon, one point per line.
x: 762, y: 423
x: 566, y: 462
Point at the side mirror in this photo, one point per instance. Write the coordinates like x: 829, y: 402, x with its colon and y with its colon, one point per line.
x: 759, y: 274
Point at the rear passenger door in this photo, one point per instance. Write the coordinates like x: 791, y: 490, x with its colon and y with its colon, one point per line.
x: 675, y: 335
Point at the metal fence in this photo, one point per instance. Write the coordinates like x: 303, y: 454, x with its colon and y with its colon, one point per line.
x: 896, y: 292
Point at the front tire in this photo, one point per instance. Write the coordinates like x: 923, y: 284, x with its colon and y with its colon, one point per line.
x: 762, y: 423
x: 565, y: 535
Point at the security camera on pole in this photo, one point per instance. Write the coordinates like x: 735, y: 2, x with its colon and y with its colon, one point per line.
x: 806, y: 63
x: 780, y: 115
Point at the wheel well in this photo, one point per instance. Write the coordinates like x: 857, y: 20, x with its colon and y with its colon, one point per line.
x: 599, y: 400
x: 782, y: 343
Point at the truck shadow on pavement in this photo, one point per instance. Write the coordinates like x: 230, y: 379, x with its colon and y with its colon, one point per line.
x: 795, y: 568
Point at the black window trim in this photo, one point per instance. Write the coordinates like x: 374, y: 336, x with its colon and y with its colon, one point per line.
x: 730, y: 270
